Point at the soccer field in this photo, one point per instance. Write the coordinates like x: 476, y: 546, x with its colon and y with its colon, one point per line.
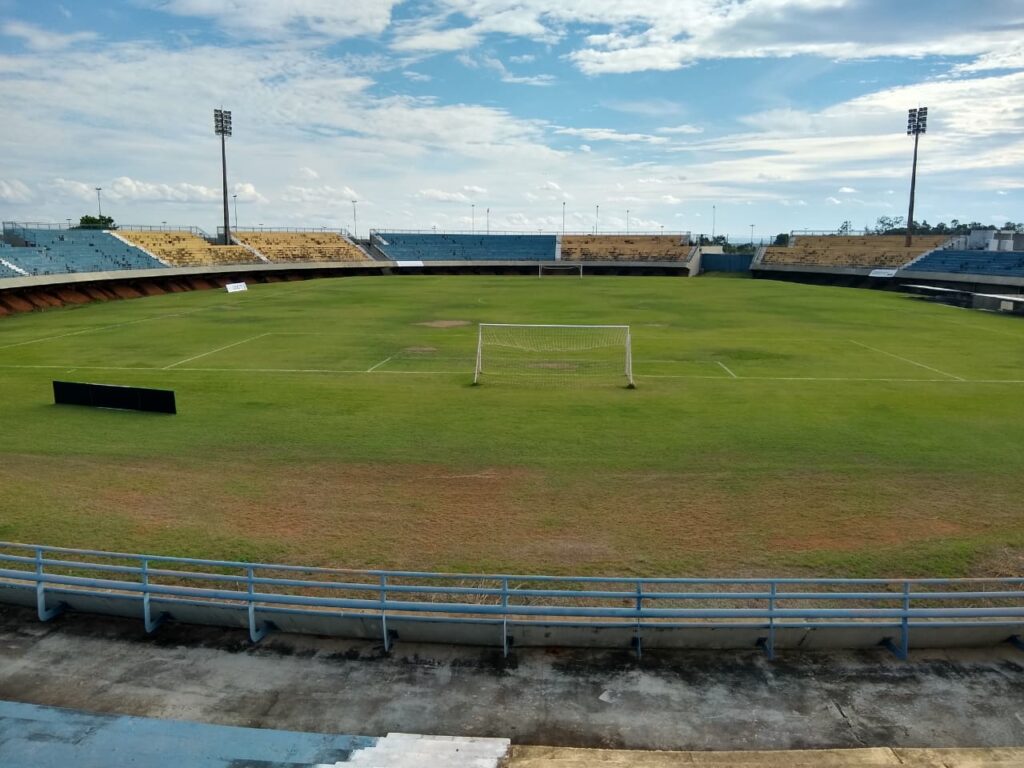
x: 776, y: 428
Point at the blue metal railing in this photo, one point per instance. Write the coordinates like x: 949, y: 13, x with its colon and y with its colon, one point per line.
x: 264, y: 590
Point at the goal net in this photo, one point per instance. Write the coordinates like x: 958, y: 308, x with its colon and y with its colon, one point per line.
x: 571, y: 270
x: 554, y: 352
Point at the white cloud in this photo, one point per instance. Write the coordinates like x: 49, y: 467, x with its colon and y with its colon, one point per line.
x: 682, y: 129
x: 442, y: 196
x: 496, y: 65
x: 39, y: 39
x: 416, y: 77
x: 585, y: 148
x: 671, y: 199
x: 324, y: 194
x: 15, y: 191
x: 833, y: 201
x: 281, y: 19
x: 308, y: 173
x: 847, y: 190
x: 608, y: 134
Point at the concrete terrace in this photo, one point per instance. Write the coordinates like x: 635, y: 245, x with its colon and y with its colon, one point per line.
x: 555, y: 698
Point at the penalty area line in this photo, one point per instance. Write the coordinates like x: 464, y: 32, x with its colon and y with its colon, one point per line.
x: 726, y: 369
x: 213, y: 351
x: 906, y: 360
x: 382, y: 362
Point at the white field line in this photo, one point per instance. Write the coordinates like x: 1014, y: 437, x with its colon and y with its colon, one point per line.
x: 382, y: 362
x: 464, y: 371
x: 726, y: 369
x: 100, y: 328
x: 906, y: 360
x: 213, y: 351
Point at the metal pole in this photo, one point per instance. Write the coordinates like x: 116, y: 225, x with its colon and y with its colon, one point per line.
x: 751, y: 234
x: 597, y: 216
x: 563, y: 218
x: 627, y: 221
x: 713, y: 212
x: 472, y: 221
x: 913, y: 187
x: 488, y: 221
x: 99, y: 203
x: 355, y: 221
x: 235, y: 197
x: 224, y: 176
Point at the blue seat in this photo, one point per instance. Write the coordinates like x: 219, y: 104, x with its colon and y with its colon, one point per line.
x: 1004, y: 263
x: 401, y: 246
x: 56, y: 251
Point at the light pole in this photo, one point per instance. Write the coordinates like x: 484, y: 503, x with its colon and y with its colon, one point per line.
x: 917, y: 123
x: 99, y: 203
x: 235, y: 198
x: 488, y: 221
x: 597, y: 216
x: 355, y: 221
x: 222, y: 128
x: 69, y: 223
x: 563, y: 218
x: 472, y: 220
x: 713, y: 221
x: 627, y: 221
x: 751, y: 235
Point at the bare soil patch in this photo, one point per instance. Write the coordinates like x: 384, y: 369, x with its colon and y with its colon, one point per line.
x: 554, y: 366
x: 444, y: 323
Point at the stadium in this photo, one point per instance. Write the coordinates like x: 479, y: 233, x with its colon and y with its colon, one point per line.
x: 297, y: 494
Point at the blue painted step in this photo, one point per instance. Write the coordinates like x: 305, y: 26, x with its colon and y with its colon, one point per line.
x: 32, y: 736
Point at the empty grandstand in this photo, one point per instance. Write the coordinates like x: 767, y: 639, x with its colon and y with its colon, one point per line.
x: 626, y: 247
x: 870, y: 251
x: 186, y: 248
x: 51, y: 250
x: 300, y: 245
x: 1001, y: 263
x: 427, y: 246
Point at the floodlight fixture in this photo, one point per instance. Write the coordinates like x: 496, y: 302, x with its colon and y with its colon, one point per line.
x: 222, y: 128
x: 917, y: 123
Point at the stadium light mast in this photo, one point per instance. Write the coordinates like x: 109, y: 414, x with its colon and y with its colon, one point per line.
x: 627, y: 221
x: 235, y: 198
x: 563, y: 218
x: 99, y: 203
x: 488, y: 220
x: 355, y: 221
x: 472, y: 214
x: 222, y: 128
x: 917, y: 123
x: 597, y: 216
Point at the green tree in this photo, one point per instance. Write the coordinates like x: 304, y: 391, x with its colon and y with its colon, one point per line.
x: 96, y: 222
x: 781, y: 239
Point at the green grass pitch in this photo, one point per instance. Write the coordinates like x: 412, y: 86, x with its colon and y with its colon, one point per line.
x: 776, y: 429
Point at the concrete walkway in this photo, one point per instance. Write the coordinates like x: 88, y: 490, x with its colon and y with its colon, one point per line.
x: 680, y: 701
x: 545, y: 757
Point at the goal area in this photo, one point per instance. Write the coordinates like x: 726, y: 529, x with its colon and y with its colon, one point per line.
x: 556, y: 353
x: 565, y: 268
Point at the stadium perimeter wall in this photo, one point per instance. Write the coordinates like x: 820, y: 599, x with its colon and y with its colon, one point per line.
x: 25, y: 294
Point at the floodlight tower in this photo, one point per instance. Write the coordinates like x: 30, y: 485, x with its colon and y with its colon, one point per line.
x: 222, y: 128
x: 917, y: 123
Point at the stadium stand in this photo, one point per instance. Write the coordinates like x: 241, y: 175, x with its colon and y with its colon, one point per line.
x: 57, y: 251
x: 625, y: 248
x: 401, y: 246
x: 183, y: 248
x: 300, y: 246
x: 850, y: 251
x: 1004, y: 263
x: 5, y: 253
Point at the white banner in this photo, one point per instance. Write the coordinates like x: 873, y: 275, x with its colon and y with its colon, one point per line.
x: 882, y: 273
x: 236, y: 287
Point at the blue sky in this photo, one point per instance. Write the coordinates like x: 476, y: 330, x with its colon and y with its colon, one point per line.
x: 784, y: 114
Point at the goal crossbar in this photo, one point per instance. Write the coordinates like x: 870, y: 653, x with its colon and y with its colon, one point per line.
x: 557, y: 349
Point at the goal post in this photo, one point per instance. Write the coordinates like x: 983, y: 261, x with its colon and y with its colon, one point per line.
x: 563, y: 268
x: 554, y: 352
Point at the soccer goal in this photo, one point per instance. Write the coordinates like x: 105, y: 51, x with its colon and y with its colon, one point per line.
x: 560, y: 269
x: 554, y: 352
